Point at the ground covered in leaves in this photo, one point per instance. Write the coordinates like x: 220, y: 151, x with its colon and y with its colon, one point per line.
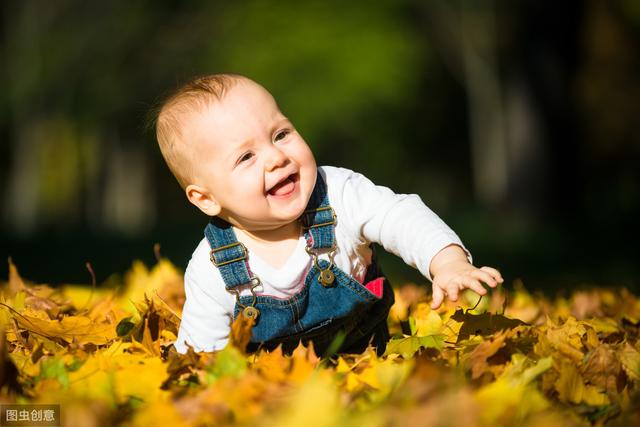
x: 105, y: 355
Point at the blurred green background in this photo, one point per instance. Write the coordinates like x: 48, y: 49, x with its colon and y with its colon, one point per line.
x: 516, y: 122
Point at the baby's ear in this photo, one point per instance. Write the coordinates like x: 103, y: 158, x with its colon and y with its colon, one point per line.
x: 203, y: 199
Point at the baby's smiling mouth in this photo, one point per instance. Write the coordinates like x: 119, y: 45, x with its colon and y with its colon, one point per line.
x: 285, y: 186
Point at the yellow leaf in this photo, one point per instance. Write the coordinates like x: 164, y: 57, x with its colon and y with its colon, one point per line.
x: 602, y: 325
x: 94, y: 380
x: 571, y: 388
x: 80, y: 329
x: 241, y: 332
x: 272, y: 365
x: 352, y: 383
x: 522, y: 305
x: 139, y: 377
x: 451, y: 330
x: 428, y: 322
x: 390, y: 376
x: 400, y: 308
x: 304, y: 363
x: 477, y: 359
x: 276, y: 367
x: 369, y: 376
x: 23, y: 362
x: 82, y: 296
x: 147, y: 342
x: 140, y: 280
x: 378, y: 376
x: 167, y: 336
x: 630, y: 359
x: 158, y: 413
x: 570, y: 385
x: 116, y: 375
x: 592, y: 339
x: 408, y: 345
x: 566, y: 338
x: 512, y: 397
x: 594, y: 397
x: 15, y: 281
x: 342, y: 367
x: 317, y: 404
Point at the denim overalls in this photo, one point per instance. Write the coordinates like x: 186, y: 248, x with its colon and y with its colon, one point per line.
x: 330, y: 301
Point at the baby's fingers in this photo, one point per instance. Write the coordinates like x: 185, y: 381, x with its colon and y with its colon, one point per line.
x: 475, y: 285
x: 485, y: 277
x: 438, y: 297
x: 452, y: 289
x: 493, y: 272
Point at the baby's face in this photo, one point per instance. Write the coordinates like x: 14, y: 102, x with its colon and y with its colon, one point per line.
x: 251, y: 160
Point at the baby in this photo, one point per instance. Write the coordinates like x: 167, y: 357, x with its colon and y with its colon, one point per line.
x: 289, y: 244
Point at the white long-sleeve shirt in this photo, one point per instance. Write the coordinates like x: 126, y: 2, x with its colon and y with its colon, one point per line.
x: 365, y: 213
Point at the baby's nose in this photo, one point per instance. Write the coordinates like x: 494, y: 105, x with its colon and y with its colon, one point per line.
x: 276, y: 158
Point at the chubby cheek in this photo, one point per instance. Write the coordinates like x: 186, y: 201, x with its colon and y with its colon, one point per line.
x: 310, y: 180
x: 238, y: 188
x: 309, y: 168
x: 250, y: 182
x: 304, y: 157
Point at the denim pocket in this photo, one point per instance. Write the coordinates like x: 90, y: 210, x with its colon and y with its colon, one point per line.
x: 360, y: 290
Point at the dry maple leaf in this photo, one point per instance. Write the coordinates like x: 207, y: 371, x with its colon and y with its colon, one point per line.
x: 482, y: 324
x: 80, y: 329
x: 478, y: 358
x: 602, y: 368
x: 556, y: 371
x: 241, y: 332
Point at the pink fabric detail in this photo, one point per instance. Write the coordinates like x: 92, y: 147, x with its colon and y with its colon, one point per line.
x: 375, y: 286
x: 246, y: 262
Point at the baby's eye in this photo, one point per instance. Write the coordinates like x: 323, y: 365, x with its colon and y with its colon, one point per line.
x: 281, y: 135
x: 245, y: 157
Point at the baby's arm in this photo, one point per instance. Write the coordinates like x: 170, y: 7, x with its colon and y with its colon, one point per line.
x: 205, y: 324
x: 406, y: 227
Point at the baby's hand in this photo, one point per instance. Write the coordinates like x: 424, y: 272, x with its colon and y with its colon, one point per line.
x: 460, y: 275
x: 451, y: 273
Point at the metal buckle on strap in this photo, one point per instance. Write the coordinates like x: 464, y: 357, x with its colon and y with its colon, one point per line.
x: 212, y: 255
x: 326, y: 276
x: 324, y: 208
x: 249, y: 311
x: 254, y: 283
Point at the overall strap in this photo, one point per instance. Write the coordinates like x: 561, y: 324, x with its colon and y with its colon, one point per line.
x: 319, y: 219
x: 230, y: 256
x: 227, y: 253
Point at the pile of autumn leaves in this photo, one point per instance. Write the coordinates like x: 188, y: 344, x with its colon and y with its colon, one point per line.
x: 105, y: 356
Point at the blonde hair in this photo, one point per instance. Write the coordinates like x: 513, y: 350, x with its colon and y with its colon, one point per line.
x: 191, y: 97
